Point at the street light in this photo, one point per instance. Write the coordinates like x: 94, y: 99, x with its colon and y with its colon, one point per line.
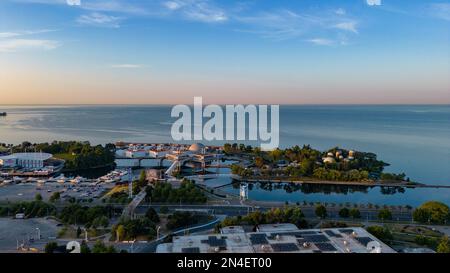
x: 132, y: 246
x: 85, y: 234
x: 39, y: 233
x: 157, y: 232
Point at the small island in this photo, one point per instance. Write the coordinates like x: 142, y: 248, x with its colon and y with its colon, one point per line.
x: 308, y: 165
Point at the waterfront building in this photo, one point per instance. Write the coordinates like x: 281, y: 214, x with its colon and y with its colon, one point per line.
x: 25, y: 160
x: 135, y: 153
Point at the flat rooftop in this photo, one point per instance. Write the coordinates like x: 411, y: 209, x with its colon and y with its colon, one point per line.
x: 339, y: 240
x: 28, y: 156
x: 232, y: 230
x: 277, y: 227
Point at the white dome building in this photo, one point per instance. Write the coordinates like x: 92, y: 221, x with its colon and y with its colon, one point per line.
x: 329, y: 160
x: 197, y: 148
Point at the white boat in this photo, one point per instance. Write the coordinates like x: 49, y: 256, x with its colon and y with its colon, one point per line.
x: 30, y: 179
x: 8, y: 181
x: 17, y: 179
x: 41, y: 181
x: 60, y: 179
x: 77, y: 180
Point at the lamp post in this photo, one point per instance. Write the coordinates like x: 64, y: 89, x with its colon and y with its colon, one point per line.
x: 132, y: 246
x: 157, y: 232
x: 85, y: 234
x: 38, y: 233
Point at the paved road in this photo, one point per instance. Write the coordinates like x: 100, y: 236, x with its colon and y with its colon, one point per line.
x: 151, y: 246
x: 235, y: 210
x: 130, y: 209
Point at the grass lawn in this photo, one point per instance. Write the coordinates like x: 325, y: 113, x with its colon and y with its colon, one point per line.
x: 405, y: 235
x: 64, y: 156
x: 120, y: 188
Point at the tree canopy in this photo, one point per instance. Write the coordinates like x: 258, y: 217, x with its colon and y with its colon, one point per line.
x: 432, y: 212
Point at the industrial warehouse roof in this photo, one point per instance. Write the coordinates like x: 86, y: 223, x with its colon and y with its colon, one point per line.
x: 28, y: 156
x: 342, y: 240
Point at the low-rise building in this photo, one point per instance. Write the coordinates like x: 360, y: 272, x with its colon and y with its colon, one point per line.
x: 25, y: 160
x: 135, y: 153
x: 283, y: 238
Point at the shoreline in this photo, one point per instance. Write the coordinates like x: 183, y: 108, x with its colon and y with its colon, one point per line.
x: 342, y: 183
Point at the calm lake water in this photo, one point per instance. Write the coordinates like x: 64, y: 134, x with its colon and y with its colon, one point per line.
x: 413, y: 139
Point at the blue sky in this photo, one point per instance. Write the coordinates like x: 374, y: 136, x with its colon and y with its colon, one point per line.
x: 260, y: 51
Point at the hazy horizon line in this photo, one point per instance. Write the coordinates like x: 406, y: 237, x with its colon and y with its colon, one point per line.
x: 167, y: 104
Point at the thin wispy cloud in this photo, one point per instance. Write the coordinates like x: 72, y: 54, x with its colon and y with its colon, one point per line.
x: 287, y: 24
x: 373, y: 2
x: 172, y: 5
x: 321, y: 41
x: 440, y: 10
x: 280, y: 24
x: 99, y: 20
x: 127, y: 66
x: 26, y: 32
x: 13, y: 45
x: 197, y: 10
x: 122, y: 6
x: 14, y: 41
x: 73, y: 2
x: 8, y: 34
x: 340, y: 11
x: 347, y: 26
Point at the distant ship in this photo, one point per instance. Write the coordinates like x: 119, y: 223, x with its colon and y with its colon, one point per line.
x: 4, y: 114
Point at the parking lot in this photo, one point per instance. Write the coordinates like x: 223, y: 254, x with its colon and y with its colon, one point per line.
x: 25, y: 231
x: 28, y: 191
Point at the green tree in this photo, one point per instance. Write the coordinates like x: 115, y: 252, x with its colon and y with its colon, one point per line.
x: 181, y: 219
x: 84, y: 248
x: 355, y: 213
x: 259, y: 162
x: 381, y: 233
x: 444, y: 246
x: 79, y: 232
x: 227, y: 148
x: 142, y: 182
x: 120, y: 232
x: 344, y: 213
x: 164, y: 210
x: 38, y: 197
x: 385, y: 214
x: 100, y: 247
x: 432, y: 212
x: 142, y: 176
x: 321, y: 211
x: 152, y: 215
x: 55, y: 197
x: 101, y: 221
x: 50, y: 247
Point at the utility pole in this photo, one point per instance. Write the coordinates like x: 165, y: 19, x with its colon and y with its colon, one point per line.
x: 130, y: 184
